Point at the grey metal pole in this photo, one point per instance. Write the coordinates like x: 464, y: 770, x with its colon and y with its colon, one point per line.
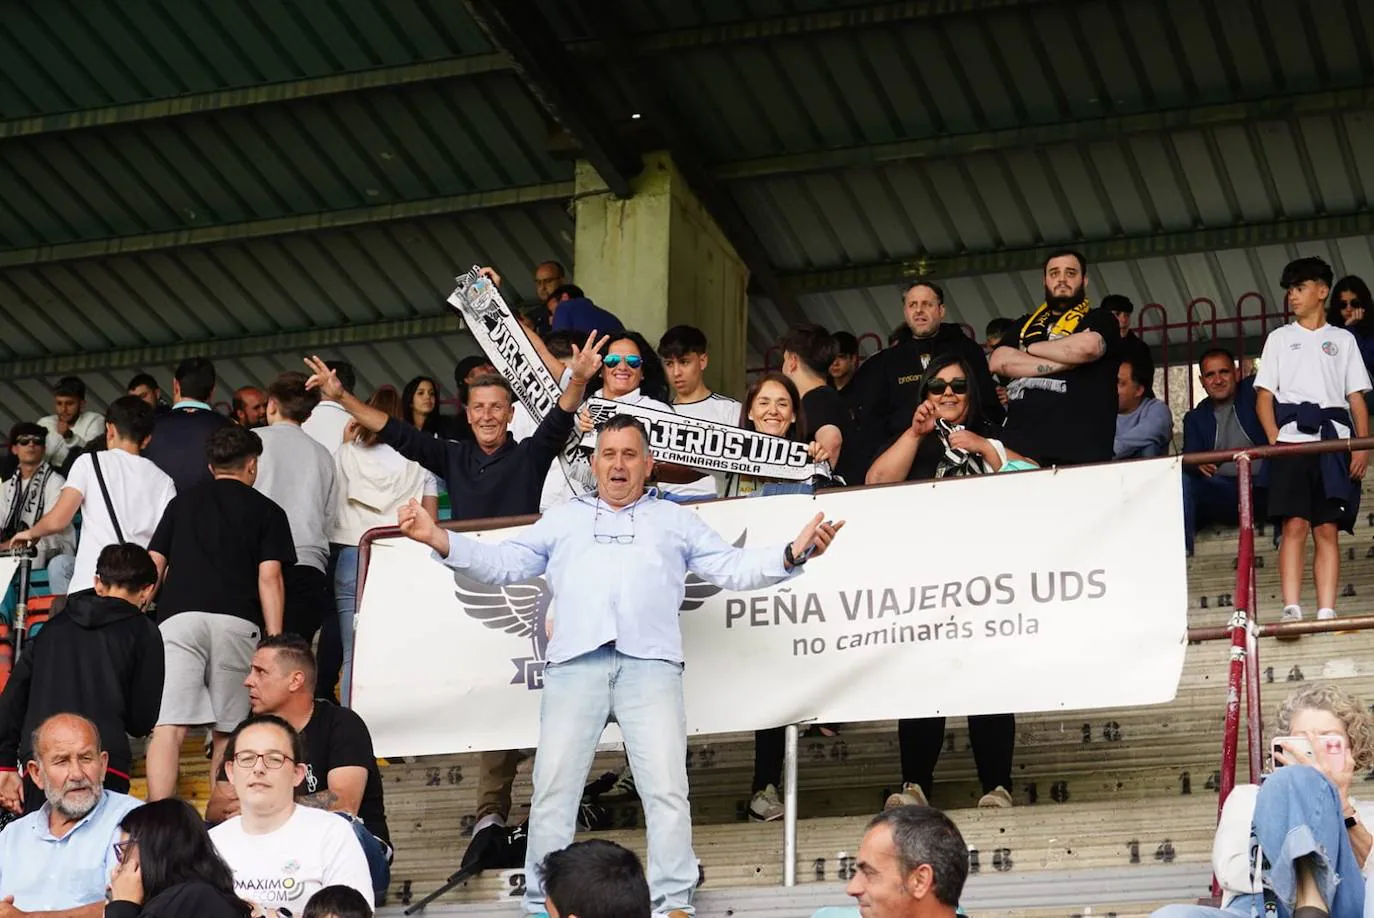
x: 789, y: 806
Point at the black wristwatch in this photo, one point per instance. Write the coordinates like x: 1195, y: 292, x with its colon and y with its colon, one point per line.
x: 1351, y: 822
x: 790, y: 559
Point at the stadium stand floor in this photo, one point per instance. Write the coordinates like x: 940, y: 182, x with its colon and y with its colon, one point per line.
x: 1115, y: 809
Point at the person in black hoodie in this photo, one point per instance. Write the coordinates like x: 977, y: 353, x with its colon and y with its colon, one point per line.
x: 886, y: 390
x: 168, y: 867
x: 101, y: 658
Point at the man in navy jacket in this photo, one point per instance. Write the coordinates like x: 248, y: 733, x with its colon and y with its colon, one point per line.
x: 1226, y: 419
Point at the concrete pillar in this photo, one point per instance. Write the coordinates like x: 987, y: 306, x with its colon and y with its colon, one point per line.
x: 658, y: 259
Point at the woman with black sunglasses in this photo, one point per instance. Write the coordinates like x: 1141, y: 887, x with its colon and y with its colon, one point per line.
x: 948, y: 436
x: 168, y: 867
x: 1350, y: 307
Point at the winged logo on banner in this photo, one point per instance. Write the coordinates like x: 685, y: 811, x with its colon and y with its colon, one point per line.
x: 601, y: 412
x: 522, y: 609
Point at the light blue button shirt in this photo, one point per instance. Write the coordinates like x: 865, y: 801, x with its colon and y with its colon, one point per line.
x: 47, y: 874
x: 627, y: 591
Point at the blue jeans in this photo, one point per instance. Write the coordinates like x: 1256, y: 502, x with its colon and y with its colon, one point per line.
x: 1208, y: 500
x: 784, y: 487
x: 580, y: 697
x: 346, y: 603
x: 377, y: 854
x: 60, y: 570
x: 1243, y: 906
x: 1298, y: 813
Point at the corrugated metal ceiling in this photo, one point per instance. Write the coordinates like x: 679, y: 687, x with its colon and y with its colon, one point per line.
x: 67, y: 56
x: 752, y: 80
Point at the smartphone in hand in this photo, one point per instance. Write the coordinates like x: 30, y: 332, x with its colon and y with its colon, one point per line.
x: 1332, y: 743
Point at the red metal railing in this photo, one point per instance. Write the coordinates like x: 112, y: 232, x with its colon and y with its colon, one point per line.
x: 1200, y: 331
x: 1244, y: 631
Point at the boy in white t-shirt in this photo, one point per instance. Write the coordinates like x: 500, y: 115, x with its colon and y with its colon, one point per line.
x: 138, y: 492
x: 683, y: 351
x: 282, y: 853
x: 1310, y: 386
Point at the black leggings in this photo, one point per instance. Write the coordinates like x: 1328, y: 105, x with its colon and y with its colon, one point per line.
x: 769, y: 746
x: 991, y: 735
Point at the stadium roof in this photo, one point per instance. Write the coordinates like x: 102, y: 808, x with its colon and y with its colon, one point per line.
x: 253, y: 178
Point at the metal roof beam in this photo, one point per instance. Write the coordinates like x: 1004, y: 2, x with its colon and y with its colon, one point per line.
x: 1097, y: 251
x: 548, y: 71
x: 850, y: 18
x: 266, y: 93
x: 282, y: 226
x: 1037, y: 135
x: 302, y: 342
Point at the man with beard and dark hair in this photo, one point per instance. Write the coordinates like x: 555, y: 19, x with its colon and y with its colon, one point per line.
x: 1062, y: 404
x: 885, y: 391
x: 59, y: 859
x: 250, y: 407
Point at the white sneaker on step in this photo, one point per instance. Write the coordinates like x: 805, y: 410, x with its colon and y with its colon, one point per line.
x: 1326, y: 615
x: 765, y: 806
x: 997, y: 798
x: 909, y: 795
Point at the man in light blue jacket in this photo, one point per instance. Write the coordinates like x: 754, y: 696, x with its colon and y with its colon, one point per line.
x: 1144, y: 425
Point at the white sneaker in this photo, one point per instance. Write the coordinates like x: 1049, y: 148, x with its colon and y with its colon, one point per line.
x: 1290, y: 614
x: 765, y: 806
x: 1326, y: 615
x: 997, y: 798
x: 909, y: 795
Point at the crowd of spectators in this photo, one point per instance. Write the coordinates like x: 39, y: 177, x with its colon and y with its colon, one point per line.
x: 239, y: 530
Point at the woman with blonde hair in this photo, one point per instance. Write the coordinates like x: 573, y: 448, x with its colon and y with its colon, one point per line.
x: 1299, y: 837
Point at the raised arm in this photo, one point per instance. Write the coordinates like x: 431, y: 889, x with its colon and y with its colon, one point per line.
x: 586, y: 360
x: 430, y: 452
x: 327, y: 381
x: 894, y: 463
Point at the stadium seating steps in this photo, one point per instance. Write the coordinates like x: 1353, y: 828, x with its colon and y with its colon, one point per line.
x: 1129, y: 795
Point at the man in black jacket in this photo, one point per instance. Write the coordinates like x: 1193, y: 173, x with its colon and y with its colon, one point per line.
x: 884, y: 392
x: 179, y: 436
x: 490, y: 475
x: 104, y: 637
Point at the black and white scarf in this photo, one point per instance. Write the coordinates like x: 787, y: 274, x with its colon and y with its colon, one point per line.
x: 24, y: 506
x: 956, y: 463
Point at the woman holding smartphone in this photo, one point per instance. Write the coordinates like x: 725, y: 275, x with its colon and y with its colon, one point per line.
x: 1312, y: 832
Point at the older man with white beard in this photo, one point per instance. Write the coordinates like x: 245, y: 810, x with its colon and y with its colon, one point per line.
x: 56, y: 862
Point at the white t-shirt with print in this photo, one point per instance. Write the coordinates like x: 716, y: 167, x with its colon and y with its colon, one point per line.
x: 721, y: 409
x: 1321, y: 366
x: 314, y: 849
x: 139, y: 491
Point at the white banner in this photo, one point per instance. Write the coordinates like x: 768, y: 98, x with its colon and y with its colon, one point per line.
x: 1028, y: 591
x: 7, y: 568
